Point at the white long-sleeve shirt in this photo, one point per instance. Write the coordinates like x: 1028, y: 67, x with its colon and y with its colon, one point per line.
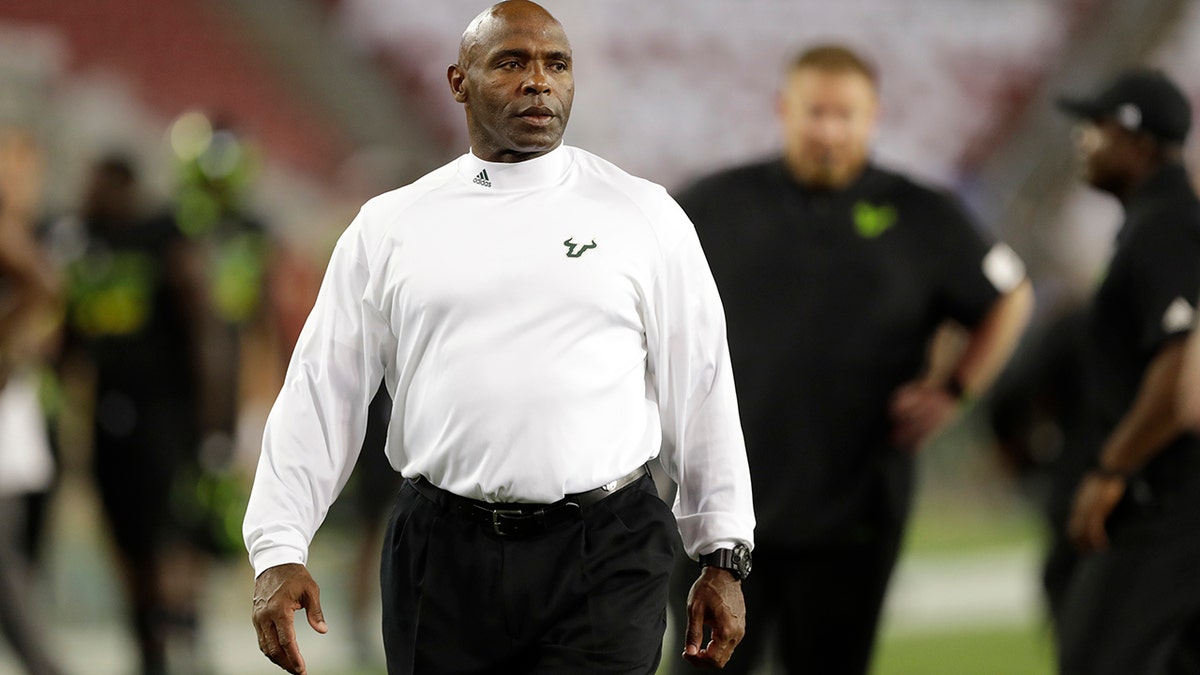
x: 543, y: 327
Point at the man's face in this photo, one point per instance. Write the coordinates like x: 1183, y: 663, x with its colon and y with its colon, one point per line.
x: 516, y: 83
x: 828, y: 120
x: 1104, y: 150
x: 109, y: 197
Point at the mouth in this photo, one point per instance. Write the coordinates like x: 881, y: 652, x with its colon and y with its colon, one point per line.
x: 538, y: 116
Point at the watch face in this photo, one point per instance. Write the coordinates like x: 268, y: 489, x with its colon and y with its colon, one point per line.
x: 742, y: 560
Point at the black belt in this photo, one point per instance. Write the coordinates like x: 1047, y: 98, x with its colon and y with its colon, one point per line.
x: 523, y: 520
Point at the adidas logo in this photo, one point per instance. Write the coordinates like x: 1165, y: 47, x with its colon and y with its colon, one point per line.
x: 482, y: 179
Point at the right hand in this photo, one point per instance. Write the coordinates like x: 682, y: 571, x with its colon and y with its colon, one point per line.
x: 715, y: 601
x: 1095, y: 499
x: 278, y: 592
x: 918, y: 411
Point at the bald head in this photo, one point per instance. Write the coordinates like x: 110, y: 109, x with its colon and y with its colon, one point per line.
x: 485, y: 27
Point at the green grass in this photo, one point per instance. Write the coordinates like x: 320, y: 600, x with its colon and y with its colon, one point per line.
x: 947, y: 524
x: 943, y: 527
x: 965, y: 531
x: 990, y: 651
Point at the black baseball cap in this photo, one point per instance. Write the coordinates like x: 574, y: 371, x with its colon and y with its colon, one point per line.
x: 1138, y: 100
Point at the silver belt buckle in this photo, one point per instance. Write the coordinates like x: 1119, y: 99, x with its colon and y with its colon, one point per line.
x: 503, y: 512
x: 610, y: 486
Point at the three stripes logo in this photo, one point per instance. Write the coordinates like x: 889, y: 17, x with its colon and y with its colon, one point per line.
x: 482, y: 179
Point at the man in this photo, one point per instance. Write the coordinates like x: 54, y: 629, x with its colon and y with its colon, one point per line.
x: 1189, y: 383
x: 544, y: 324
x: 29, y: 291
x: 29, y: 303
x: 1134, y: 603
x: 835, y: 274
x: 130, y: 317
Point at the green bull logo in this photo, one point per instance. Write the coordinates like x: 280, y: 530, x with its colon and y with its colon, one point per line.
x: 872, y: 221
x: 573, y: 251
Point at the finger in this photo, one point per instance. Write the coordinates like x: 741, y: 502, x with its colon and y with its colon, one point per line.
x: 933, y: 412
x: 311, y: 601
x: 725, y: 636
x: 717, y: 651
x: 1086, y: 542
x: 1097, y: 536
x: 1079, y: 527
x: 264, y: 644
x: 901, y: 404
x: 286, y: 631
x: 1075, y: 531
x: 701, y: 659
x: 707, y: 658
x: 269, y: 644
x: 695, y: 630
x: 904, y: 436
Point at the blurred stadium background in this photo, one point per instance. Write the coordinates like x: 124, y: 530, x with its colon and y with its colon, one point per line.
x: 342, y: 99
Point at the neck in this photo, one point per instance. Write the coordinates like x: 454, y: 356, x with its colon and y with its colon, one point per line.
x: 508, y: 156
x: 829, y: 182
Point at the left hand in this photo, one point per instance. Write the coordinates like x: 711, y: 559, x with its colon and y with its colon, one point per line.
x: 278, y: 592
x: 919, y: 410
x: 714, y: 601
x: 1095, y: 500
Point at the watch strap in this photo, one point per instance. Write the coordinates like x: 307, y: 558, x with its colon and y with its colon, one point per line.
x: 727, y: 559
x: 722, y: 558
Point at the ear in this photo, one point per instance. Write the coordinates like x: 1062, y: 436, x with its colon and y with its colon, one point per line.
x: 458, y: 80
x: 876, y: 108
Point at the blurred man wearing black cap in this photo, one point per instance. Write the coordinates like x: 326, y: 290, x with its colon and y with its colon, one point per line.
x: 1134, y: 604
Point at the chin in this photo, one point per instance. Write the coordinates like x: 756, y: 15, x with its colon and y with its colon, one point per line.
x: 542, y: 139
x: 824, y: 179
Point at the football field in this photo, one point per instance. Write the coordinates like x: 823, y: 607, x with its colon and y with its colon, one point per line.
x: 965, y: 601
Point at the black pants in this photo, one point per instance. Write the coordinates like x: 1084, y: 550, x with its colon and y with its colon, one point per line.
x: 821, y: 605
x: 588, y: 596
x: 1135, y: 608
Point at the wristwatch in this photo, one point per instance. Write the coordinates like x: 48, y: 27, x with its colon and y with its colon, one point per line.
x: 736, y: 560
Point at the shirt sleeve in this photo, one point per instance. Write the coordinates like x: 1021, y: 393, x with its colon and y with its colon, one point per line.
x: 1166, y: 280
x: 315, y: 429
x: 970, y: 270
x: 702, y: 449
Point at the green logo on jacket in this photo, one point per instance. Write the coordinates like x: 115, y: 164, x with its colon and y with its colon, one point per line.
x: 111, y: 293
x: 871, y: 221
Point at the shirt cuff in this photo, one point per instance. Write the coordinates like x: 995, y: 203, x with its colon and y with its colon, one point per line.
x: 704, y: 533
x: 724, y: 543
x: 278, y: 555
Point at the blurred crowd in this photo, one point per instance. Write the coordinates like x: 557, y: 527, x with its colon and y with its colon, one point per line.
x: 136, y: 334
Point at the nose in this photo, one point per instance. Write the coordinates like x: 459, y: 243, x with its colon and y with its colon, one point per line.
x: 536, y: 83
x: 829, y: 129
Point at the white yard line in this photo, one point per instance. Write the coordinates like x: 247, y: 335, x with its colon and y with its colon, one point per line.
x: 965, y: 592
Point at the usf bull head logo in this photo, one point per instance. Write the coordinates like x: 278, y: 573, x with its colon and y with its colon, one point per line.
x: 575, y: 250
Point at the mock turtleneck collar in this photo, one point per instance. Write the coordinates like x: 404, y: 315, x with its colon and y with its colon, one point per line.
x: 530, y: 174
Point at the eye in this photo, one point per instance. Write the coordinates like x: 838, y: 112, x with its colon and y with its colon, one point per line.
x: 558, y: 67
x: 510, y: 65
